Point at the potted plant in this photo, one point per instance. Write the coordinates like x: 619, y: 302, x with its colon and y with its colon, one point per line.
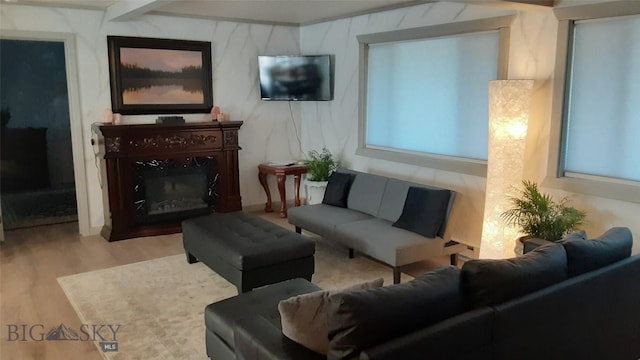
x: 539, y: 216
x: 319, y: 167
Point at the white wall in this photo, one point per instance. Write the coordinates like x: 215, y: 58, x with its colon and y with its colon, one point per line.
x: 268, y: 131
x: 532, y: 56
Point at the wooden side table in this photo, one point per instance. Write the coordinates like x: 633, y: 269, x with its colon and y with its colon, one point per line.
x: 281, y: 172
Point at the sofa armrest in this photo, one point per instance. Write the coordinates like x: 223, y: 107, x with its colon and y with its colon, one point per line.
x: 255, y: 338
x: 466, y: 336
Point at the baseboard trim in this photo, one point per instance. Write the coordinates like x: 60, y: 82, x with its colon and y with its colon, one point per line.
x: 274, y: 205
x: 94, y: 230
x: 253, y: 208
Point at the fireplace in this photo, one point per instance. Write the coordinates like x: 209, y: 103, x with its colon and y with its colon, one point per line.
x: 175, y: 189
x: 156, y: 175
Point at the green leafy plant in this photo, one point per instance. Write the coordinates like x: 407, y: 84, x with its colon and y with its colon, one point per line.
x: 320, y: 165
x: 539, y: 216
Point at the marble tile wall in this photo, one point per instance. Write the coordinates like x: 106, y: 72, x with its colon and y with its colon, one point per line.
x: 268, y: 132
x: 532, y: 56
x: 335, y: 123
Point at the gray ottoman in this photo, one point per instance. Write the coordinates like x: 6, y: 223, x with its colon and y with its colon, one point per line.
x: 246, y: 250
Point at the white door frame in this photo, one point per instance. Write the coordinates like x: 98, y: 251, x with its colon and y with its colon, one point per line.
x: 75, y: 114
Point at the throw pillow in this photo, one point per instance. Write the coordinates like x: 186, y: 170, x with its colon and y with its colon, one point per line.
x: 587, y: 255
x: 337, y: 190
x: 424, y: 211
x: 304, y: 317
x: 360, y: 319
x: 491, y: 282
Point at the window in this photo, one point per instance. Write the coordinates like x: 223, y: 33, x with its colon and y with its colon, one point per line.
x: 424, y: 93
x: 598, y: 107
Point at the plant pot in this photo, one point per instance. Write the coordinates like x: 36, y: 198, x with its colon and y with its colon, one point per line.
x: 519, y: 248
x: 524, y: 244
x: 315, y: 191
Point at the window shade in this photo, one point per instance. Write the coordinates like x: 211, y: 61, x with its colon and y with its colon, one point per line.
x: 431, y: 95
x: 603, y: 114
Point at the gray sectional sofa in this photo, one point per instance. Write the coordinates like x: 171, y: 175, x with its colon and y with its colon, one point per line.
x: 374, y: 203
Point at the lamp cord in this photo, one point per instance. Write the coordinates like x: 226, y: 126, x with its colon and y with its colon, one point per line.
x: 296, y: 129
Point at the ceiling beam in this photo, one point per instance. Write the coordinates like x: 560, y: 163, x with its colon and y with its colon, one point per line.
x: 513, y: 4
x: 124, y: 10
x: 549, y: 3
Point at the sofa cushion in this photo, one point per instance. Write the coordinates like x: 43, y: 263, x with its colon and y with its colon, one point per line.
x: 366, y: 192
x: 362, y: 318
x: 393, y: 199
x: 491, y: 282
x: 337, y: 189
x: 322, y: 219
x: 424, y: 211
x: 587, y: 255
x: 394, y: 246
x: 304, y: 317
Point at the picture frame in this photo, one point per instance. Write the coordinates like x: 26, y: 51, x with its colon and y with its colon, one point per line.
x: 159, y: 76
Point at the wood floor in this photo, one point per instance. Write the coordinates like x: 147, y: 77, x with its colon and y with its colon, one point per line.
x: 30, y: 261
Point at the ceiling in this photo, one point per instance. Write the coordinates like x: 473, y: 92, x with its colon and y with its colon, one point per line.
x: 283, y: 12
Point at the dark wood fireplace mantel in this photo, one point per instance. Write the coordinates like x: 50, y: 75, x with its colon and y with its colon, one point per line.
x: 122, y: 146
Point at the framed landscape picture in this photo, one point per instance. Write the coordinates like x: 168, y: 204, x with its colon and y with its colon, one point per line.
x: 159, y: 76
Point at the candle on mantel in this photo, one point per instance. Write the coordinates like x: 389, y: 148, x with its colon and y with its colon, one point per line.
x: 215, y: 113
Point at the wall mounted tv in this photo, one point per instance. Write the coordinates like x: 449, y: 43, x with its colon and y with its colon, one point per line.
x: 296, y: 78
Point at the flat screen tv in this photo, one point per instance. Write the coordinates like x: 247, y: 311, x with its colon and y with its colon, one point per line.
x: 295, y: 78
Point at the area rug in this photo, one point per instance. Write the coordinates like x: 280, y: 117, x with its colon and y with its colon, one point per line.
x: 160, y: 303
x: 39, y: 207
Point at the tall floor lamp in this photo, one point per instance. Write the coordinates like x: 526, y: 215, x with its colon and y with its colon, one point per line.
x: 509, y: 104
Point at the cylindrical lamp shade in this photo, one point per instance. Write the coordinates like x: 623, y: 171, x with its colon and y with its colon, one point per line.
x: 509, y: 104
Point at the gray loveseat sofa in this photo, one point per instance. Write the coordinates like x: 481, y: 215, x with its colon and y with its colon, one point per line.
x: 374, y: 203
x: 575, y: 300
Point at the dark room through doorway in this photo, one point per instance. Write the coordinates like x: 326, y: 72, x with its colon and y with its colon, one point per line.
x: 37, y: 184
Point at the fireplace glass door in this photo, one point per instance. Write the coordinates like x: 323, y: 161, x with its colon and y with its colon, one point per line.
x: 175, y: 189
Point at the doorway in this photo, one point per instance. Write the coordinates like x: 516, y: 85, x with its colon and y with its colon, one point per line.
x: 42, y: 170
